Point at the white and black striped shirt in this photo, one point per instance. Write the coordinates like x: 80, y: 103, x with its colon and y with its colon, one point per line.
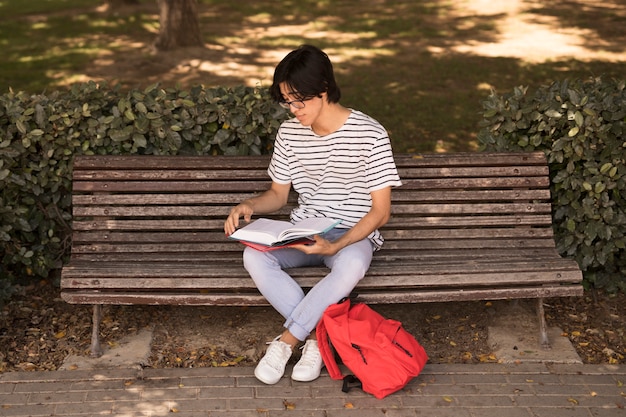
x: 334, y: 174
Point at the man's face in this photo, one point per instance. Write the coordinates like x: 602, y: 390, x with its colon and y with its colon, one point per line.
x: 306, y: 111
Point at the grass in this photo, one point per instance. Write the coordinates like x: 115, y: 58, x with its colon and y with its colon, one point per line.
x: 420, y: 67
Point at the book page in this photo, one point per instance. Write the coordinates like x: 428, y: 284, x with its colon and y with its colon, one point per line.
x: 308, y: 227
x: 270, y: 232
x: 264, y: 231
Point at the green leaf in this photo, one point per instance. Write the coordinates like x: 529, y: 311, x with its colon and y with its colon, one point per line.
x: 139, y: 141
x: 599, y: 187
x: 606, y: 167
x: 571, y: 225
x: 578, y: 118
x: 21, y: 127
x: 141, y: 108
x: 222, y: 136
x: 553, y: 114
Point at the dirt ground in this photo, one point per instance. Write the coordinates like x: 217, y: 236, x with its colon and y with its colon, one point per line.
x: 38, y: 330
x: 238, y: 57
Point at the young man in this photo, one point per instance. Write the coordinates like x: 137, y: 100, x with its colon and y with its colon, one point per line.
x: 340, y: 163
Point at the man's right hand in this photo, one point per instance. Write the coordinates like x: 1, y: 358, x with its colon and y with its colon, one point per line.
x: 243, y: 209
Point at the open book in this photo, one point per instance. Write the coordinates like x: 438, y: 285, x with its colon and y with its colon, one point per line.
x: 275, y: 233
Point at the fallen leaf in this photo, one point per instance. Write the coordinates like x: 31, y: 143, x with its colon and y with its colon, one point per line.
x: 348, y: 405
x: 487, y: 357
x: 573, y: 401
x: 288, y: 405
x: 27, y: 366
x: 448, y: 399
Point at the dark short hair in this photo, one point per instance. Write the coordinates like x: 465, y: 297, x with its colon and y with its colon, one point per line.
x: 308, y: 72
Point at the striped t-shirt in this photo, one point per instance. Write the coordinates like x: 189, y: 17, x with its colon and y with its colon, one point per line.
x: 334, y: 174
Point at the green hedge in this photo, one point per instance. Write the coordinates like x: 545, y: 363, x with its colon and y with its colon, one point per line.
x: 581, y: 126
x: 40, y: 134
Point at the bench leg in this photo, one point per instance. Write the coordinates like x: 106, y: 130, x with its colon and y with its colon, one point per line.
x: 96, y: 350
x: 543, y: 327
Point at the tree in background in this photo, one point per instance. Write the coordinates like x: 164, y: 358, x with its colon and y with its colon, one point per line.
x: 179, y: 25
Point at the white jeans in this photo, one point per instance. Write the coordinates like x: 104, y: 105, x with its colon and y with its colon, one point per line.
x: 303, y: 311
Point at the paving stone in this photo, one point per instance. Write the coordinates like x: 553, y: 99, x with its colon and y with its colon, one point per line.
x: 482, y: 390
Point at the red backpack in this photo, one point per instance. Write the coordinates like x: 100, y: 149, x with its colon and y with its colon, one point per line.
x: 383, y: 356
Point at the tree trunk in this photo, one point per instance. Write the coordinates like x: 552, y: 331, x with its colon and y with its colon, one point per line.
x: 179, y: 25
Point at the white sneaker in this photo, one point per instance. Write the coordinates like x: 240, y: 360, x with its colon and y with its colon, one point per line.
x: 310, y: 364
x: 272, y: 366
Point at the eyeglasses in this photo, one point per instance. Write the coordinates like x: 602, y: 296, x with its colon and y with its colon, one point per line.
x: 297, y: 104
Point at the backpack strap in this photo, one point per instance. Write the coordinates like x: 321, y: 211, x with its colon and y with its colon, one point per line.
x: 325, y: 350
x: 351, y: 381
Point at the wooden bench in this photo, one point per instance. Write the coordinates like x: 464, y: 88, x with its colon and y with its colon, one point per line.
x: 475, y: 226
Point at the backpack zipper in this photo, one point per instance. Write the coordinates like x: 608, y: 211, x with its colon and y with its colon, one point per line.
x: 358, y: 348
x: 403, y: 348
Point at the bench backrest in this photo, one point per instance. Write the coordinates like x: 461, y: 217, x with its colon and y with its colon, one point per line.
x: 125, y: 207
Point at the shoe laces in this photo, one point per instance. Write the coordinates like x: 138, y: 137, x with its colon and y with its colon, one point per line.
x: 277, y: 354
x: 310, y: 355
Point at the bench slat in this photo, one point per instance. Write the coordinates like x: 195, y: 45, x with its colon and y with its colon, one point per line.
x: 131, y: 162
x: 430, y: 265
x: 183, y: 173
x: 395, y: 225
x: 182, y: 235
x: 393, y: 253
x: 226, y: 198
x: 208, y: 248
x: 382, y: 283
x: 390, y: 297
x: 222, y: 211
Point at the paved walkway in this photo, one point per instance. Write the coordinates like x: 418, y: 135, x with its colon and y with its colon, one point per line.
x: 485, y: 390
